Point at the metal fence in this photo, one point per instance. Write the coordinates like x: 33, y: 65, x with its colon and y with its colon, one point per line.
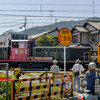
x: 4, y: 79
x: 26, y: 91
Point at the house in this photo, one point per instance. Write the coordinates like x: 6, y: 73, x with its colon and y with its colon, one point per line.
x: 93, y: 28
x: 88, y: 34
x: 80, y: 35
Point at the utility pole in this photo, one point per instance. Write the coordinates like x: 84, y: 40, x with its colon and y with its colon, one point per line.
x: 25, y: 27
x: 93, y: 9
x: 41, y: 9
x: 56, y: 23
x: 25, y: 23
x: 51, y: 18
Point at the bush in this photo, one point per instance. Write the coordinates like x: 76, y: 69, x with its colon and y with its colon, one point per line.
x: 3, y: 90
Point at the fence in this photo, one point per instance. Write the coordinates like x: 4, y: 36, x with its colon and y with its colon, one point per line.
x: 4, y: 78
x: 30, y: 88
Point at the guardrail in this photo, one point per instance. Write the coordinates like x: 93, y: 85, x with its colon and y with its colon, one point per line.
x: 30, y: 88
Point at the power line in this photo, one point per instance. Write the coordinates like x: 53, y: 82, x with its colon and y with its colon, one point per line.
x: 14, y: 25
x: 78, y: 11
x: 49, y: 4
x: 14, y: 15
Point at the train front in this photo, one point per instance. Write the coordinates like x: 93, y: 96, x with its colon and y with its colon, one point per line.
x: 20, y: 50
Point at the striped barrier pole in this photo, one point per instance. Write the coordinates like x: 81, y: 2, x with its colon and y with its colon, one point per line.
x: 61, y: 86
x: 12, y: 89
x: 49, y: 88
x: 30, y: 87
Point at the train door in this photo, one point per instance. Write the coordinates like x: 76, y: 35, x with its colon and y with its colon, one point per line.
x: 86, y: 56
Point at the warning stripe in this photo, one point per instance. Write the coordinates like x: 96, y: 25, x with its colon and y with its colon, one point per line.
x: 33, y: 97
x: 33, y: 79
x: 38, y: 96
x: 36, y: 87
x: 40, y: 78
x: 55, y: 93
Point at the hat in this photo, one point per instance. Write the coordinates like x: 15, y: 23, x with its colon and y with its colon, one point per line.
x: 77, y: 61
x: 92, y: 66
x: 55, y: 61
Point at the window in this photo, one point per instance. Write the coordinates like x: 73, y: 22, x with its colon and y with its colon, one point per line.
x: 28, y: 44
x: 18, y: 45
x: 39, y: 50
x: 94, y: 38
x: 15, y: 45
x: 90, y: 38
x: 22, y: 44
x: 75, y: 39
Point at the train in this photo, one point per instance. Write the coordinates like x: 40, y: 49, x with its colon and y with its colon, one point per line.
x: 23, y: 53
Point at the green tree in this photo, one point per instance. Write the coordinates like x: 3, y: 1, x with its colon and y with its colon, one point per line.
x: 47, y: 41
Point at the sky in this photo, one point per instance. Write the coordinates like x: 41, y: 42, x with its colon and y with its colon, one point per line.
x: 44, y: 12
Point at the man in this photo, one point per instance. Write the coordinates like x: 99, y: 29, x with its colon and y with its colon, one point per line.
x: 90, y: 77
x: 54, y: 67
x: 77, y: 69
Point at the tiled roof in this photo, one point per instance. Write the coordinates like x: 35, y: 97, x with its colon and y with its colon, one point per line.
x: 44, y: 33
x: 95, y: 24
x: 81, y: 29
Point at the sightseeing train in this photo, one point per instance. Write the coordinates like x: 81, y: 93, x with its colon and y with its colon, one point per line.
x: 23, y: 53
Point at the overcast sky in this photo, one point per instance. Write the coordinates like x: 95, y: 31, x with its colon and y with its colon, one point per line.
x: 44, y: 12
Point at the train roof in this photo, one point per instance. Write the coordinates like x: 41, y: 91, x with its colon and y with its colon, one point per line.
x: 61, y: 47
x: 20, y: 40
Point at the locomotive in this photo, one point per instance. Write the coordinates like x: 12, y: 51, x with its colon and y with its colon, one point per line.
x: 23, y: 53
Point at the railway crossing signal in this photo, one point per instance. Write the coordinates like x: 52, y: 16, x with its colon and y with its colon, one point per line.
x: 65, y: 37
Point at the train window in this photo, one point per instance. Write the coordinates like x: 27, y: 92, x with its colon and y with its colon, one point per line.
x: 46, y: 50
x: 28, y: 44
x: 54, y: 50
x: 39, y: 50
x: 58, y: 50
x: 51, y: 50
x: 22, y: 44
x: 15, y: 45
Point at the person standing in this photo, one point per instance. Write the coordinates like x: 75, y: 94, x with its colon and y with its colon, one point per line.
x: 54, y: 67
x: 77, y: 69
x: 90, y: 77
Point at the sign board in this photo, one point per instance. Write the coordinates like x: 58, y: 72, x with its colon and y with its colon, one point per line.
x: 4, y: 79
x: 68, y: 85
x: 65, y: 37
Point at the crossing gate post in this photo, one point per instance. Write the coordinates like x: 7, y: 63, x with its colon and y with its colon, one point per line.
x: 30, y: 87
x: 72, y: 85
x: 61, y: 86
x: 12, y: 89
x: 49, y: 88
x: 7, y: 77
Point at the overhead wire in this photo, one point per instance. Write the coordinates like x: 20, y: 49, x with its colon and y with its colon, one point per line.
x: 15, y: 15
x: 49, y: 4
x: 58, y: 17
x: 71, y: 11
x: 12, y: 25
